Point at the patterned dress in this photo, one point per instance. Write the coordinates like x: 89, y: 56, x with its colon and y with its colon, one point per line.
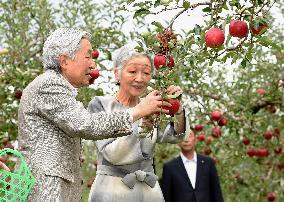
x: 125, y: 172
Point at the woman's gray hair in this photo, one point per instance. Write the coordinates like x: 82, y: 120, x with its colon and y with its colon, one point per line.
x: 127, y: 52
x: 62, y: 41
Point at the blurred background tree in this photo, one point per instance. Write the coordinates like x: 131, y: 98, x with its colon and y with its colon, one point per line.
x: 242, y: 79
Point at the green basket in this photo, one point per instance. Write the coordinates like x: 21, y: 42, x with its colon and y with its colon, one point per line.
x: 15, y: 186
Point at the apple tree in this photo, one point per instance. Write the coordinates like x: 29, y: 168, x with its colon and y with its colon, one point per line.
x: 231, y: 70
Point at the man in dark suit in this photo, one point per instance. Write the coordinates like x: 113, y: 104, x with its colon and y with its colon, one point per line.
x: 191, y: 177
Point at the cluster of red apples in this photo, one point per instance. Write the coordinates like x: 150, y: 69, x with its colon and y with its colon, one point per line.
x: 95, y: 72
x: 163, y: 58
x: 215, y: 116
x: 167, y: 41
x: 215, y: 36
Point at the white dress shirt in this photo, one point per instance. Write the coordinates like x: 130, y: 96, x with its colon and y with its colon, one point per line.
x: 190, y: 167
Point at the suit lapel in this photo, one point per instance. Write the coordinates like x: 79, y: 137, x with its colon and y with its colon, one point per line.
x: 199, y: 170
x: 182, y: 170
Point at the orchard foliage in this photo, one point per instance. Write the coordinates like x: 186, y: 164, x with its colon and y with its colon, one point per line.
x: 227, y: 78
x: 233, y: 91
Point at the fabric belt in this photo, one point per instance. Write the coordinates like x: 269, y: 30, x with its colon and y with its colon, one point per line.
x: 129, y: 178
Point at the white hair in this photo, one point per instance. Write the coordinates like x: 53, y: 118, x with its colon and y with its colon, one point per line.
x: 62, y: 41
x: 127, y: 52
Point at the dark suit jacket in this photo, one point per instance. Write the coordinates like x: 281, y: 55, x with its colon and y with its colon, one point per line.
x: 176, y: 185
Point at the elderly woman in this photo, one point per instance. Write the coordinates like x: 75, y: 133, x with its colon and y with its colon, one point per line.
x: 125, y: 171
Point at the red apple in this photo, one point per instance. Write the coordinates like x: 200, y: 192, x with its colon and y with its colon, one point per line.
x: 216, y: 115
x: 278, y: 150
x: 260, y: 29
x: 175, y: 106
x: 238, y: 28
x: 277, y: 132
x: 200, y: 137
x: 159, y: 61
x: 271, y: 108
x: 214, y: 37
x: 280, y: 166
x: 209, y: 140
x: 9, y: 146
x: 18, y: 94
x: 261, y: 91
x: 268, y: 135
x: 95, y: 73
x: 198, y: 127
x: 216, y: 132
x: 223, y: 121
x: 95, y: 54
x: 246, y: 141
x: 271, y: 196
x: 166, y: 36
x: 262, y: 152
x: 251, y: 152
x: 171, y: 62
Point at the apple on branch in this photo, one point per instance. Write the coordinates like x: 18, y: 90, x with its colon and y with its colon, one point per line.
x: 95, y: 54
x: 160, y: 61
x: 198, y: 127
x: 258, y: 27
x: 214, y: 37
x: 271, y: 196
x: 216, y: 115
x: 238, y: 28
x: 95, y: 73
x: 175, y: 106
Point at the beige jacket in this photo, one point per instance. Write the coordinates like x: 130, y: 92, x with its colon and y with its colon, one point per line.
x: 52, y: 123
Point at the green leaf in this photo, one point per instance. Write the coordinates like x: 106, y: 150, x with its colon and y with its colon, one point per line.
x: 158, y: 25
x: 244, y: 62
x: 171, y: 96
x: 157, y: 3
x: 141, y: 12
x: 130, y: 1
x: 265, y: 41
x: 260, y: 2
x: 197, y: 30
x: 186, y: 4
x: 207, y: 9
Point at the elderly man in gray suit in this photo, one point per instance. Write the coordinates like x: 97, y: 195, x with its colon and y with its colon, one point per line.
x: 52, y: 122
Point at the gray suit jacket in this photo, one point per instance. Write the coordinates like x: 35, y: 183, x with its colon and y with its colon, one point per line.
x: 52, y: 123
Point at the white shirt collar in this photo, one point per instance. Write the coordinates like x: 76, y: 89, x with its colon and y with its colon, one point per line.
x: 185, y: 159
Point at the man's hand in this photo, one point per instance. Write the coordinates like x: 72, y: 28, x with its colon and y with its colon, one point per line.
x: 3, y: 166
